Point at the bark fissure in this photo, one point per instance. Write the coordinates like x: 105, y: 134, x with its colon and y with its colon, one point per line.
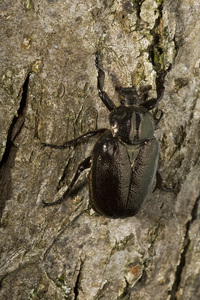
x: 186, y: 244
x: 138, y: 5
x: 59, y: 235
x: 77, y: 283
x: 127, y: 290
x: 156, y: 53
x: 156, y: 47
x: 101, y: 292
x: 8, y: 158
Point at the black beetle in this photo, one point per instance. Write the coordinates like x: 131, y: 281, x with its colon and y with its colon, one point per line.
x: 124, y: 161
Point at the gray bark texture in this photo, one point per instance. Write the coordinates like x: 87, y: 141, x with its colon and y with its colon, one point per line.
x: 48, y: 94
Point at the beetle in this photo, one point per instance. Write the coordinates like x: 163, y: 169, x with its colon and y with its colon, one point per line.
x: 124, y: 161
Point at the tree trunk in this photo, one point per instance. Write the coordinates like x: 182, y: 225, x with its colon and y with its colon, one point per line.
x: 48, y: 94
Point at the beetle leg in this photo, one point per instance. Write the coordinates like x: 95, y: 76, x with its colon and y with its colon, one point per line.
x: 77, y: 140
x: 100, y: 83
x: 159, y: 181
x: 159, y: 184
x: 152, y: 103
x: 144, y: 94
x: 157, y: 119
x: 82, y: 166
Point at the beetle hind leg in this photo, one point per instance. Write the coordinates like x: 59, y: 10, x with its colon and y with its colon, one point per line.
x: 82, y: 166
x: 159, y: 184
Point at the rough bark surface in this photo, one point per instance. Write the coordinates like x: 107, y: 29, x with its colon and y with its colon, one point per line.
x: 48, y: 94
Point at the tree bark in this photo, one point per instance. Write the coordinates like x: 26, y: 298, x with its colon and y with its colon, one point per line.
x: 48, y: 94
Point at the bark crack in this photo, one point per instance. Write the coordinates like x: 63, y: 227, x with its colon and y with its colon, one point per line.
x: 126, y: 292
x: 77, y: 283
x: 138, y: 5
x: 186, y: 243
x: 8, y: 158
x: 157, y: 47
x: 157, y: 53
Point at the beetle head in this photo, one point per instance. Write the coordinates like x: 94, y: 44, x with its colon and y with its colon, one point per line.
x: 128, y: 96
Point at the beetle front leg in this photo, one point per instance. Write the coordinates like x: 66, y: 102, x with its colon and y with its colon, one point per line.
x: 77, y: 140
x: 100, y: 83
x: 152, y: 103
x: 82, y: 166
x: 157, y: 119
